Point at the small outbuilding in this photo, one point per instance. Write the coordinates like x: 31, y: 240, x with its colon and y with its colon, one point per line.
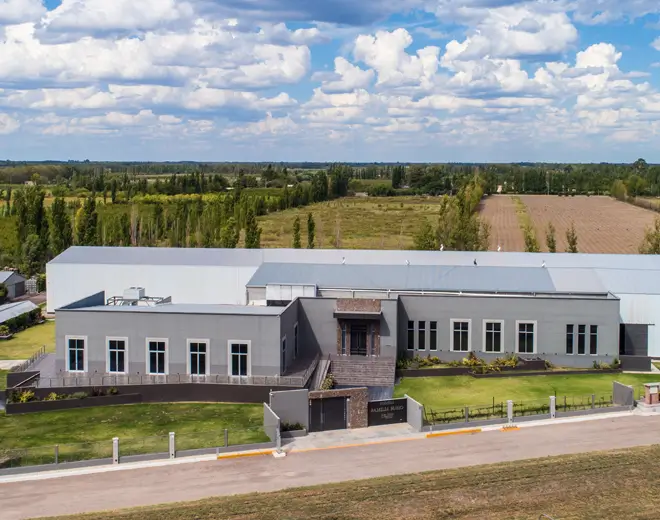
x: 14, y: 282
x: 9, y: 311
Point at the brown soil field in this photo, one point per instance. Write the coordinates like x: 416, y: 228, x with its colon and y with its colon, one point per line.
x: 602, y: 224
x: 500, y: 212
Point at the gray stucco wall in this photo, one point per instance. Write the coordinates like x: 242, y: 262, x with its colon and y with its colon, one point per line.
x: 262, y: 331
x: 291, y: 406
x: 551, y: 314
x: 318, y: 325
x: 288, y: 319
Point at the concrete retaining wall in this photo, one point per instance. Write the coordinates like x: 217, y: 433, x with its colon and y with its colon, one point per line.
x: 291, y: 406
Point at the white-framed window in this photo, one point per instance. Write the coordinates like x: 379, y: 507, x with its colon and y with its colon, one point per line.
x: 461, y: 332
x: 295, y: 341
x: 199, y: 363
x: 582, y: 340
x: 117, y: 362
x: 283, y: 354
x: 157, y: 356
x: 526, y: 337
x: 343, y: 338
x: 433, y: 335
x: 570, y: 339
x: 411, y: 335
x: 76, y: 360
x: 421, y: 335
x: 239, y: 361
x: 593, y: 340
x: 493, y: 330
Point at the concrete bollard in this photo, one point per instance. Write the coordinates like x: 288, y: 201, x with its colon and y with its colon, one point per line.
x: 57, y: 454
x: 115, y: 450
x: 172, y: 445
x: 509, y: 411
x: 553, y: 407
x: 226, y: 438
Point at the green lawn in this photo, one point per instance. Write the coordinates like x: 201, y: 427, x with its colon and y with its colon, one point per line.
x: 26, y: 343
x: 141, y: 428
x: 3, y: 379
x: 450, y: 392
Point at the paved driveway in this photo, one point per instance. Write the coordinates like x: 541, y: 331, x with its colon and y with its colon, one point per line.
x: 113, y: 490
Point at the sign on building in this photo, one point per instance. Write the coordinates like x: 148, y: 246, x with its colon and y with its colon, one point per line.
x: 391, y: 411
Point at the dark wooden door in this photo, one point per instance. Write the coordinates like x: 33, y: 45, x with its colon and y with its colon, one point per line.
x: 358, y: 339
x: 327, y: 414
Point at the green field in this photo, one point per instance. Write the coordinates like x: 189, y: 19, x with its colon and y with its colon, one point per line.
x: 353, y: 223
x: 456, y: 391
x: 27, y: 342
x: 613, y: 485
x: 3, y: 379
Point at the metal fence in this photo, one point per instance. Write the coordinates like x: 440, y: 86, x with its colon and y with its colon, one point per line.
x: 142, y: 379
x: 498, y: 410
x: 33, y: 359
x: 129, y: 446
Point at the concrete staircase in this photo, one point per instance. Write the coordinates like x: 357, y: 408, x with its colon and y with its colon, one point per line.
x: 360, y: 371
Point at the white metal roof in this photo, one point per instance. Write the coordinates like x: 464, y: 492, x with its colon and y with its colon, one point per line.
x: 188, y: 308
x: 6, y: 275
x: 255, y: 257
x: 12, y: 310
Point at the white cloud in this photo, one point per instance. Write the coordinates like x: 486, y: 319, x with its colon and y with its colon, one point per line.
x: 656, y: 44
x: 8, y: 124
x: 347, y: 77
x: 385, y: 52
x: 19, y: 11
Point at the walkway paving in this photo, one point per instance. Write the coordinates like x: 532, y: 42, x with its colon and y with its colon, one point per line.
x: 8, y: 364
x: 182, y: 482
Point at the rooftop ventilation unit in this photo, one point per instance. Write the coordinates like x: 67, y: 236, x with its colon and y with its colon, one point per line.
x: 135, y: 296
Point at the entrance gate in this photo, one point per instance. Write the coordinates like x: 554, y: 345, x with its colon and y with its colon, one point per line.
x: 327, y: 414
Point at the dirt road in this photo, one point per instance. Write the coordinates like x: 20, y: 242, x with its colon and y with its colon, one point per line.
x: 184, y: 482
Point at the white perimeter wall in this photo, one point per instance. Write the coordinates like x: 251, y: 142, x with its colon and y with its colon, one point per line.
x: 643, y: 309
x: 67, y: 283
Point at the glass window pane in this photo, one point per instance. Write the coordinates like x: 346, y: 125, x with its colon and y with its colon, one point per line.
x: 234, y: 365
x: 243, y: 366
x: 202, y: 364
x: 434, y: 340
x: 113, y: 362
x: 120, y: 362
x: 411, y: 339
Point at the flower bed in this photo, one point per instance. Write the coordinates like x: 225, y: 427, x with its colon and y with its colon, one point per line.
x: 71, y: 403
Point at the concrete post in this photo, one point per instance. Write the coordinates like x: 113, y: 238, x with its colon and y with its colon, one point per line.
x: 226, y: 438
x: 467, y: 414
x: 553, y: 407
x: 278, y: 440
x: 593, y: 401
x: 57, y: 454
x: 115, y: 450
x: 172, y: 445
x: 509, y: 411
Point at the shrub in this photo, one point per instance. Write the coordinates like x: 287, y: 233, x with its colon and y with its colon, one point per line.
x: 113, y: 391
x: 26, y: 396
x: 52, y: 397
x: 4, y: 330
x: 473, y: 361
x: 97, y: 392
x: 328, y: 382
x: 616, y: 364
x: 549, y: 365
x: 78, y: 395
x: 291, y: 427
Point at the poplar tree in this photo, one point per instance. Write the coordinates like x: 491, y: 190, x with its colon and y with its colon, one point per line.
x: 252, y: 231
x: 229, y: 234
x: 571, y: 239
x: 86, y: 232
x: 311, y: 230
x: 61, y: 234
x: 550, y: 239
x: 296, y: 233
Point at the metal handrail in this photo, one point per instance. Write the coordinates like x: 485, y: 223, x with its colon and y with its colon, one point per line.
x: 33, y: 359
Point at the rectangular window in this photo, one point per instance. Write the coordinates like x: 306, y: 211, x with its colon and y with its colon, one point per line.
x: 593, y: 340
x: 283, y: 354
x: 295, y: 341
x: 116, y: 356
x: 76, y: 354
x: 411, y: 335
x: 526, y: 337
x: 582, y: 340
x: 373, y: 340
x: 493, y: 339
x: 238, y: 364
x: 198, y: 363
x: 570, y: 339
x: 421, y: 336
x: 157, y: 359
x: 460, y: 339
x: 433, y: 336
x: 343, y: 339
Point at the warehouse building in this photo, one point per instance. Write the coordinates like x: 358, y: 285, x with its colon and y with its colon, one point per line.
x: 274, y: 316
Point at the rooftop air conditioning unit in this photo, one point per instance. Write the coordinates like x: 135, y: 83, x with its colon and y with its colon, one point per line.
x: 134, y: 293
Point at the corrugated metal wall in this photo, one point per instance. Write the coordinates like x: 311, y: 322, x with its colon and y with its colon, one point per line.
x: 643, y: 309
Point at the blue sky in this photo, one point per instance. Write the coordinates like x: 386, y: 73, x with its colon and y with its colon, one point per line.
x: 339, y: 80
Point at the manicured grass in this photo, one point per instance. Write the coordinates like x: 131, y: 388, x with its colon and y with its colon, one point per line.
x: 354, y: 222
x: 3, y: 379
x: 141, y: 428
x: 449, y: 392
x: 592, y: 486
x: 27, y: 342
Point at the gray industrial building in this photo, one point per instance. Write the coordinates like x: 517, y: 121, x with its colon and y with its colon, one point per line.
x: 359, y: 317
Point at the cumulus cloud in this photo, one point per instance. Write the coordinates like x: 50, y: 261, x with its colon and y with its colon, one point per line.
x: 385, y: 52
x: 19, y: 11
x: 346, y: 78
